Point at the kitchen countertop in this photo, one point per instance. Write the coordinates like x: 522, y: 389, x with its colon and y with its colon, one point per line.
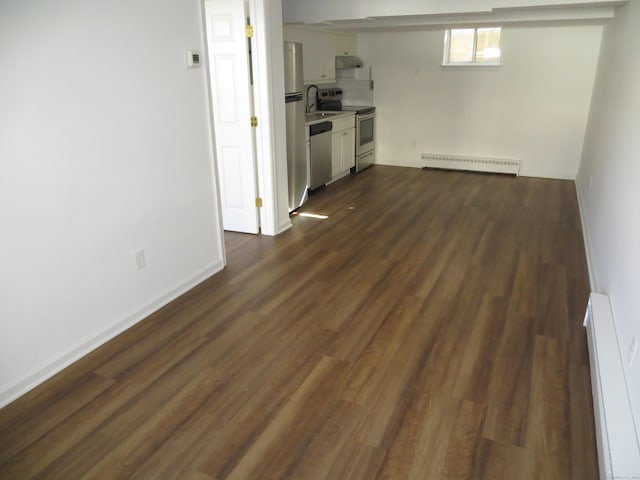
x: 324, y: 116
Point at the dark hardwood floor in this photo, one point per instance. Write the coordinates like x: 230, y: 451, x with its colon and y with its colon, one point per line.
x: 429, y: 328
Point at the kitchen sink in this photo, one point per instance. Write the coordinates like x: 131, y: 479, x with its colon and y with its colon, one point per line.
x: 320, y: 115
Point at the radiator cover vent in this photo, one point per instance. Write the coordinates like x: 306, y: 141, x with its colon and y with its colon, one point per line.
x: 476, y: 164
x: 616, y: 435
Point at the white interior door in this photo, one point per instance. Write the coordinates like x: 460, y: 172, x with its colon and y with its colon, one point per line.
x: 232, y: 110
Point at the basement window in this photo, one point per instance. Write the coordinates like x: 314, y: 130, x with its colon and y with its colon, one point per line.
x: 472, y: 46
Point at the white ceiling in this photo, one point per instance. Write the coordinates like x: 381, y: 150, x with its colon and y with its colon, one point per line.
x: 368, y: 15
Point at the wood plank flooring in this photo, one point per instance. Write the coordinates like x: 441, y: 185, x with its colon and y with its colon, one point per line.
x: 429, y: 328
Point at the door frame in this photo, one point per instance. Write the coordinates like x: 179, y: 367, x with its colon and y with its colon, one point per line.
x: 268, y: 87
x: 231, y: 89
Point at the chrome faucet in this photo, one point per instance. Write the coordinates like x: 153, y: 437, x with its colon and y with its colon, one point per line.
x: 308, y: 108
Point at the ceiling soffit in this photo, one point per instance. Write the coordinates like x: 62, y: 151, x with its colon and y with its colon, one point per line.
x: 585, y: 12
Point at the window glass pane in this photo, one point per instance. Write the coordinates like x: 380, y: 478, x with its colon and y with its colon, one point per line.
x: 488, y: 46
x: 461, y: 45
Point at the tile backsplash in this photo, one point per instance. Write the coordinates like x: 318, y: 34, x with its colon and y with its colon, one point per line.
x: 356, y: 83
x: 356, y: 92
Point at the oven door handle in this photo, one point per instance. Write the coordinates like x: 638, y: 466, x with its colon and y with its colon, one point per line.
x: 365, y: 116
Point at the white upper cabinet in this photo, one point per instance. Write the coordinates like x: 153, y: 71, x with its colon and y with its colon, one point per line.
x: 344, y: 45
x: 319, y: 50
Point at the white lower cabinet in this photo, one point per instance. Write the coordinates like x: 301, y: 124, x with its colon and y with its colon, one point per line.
x: 342, y: 152
x: 343, y: 144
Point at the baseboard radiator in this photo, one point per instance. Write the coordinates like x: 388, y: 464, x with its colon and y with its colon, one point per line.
x: 475, y: 164
x: 618, y: 449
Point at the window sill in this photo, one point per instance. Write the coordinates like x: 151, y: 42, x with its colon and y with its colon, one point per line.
x: 485, y: 64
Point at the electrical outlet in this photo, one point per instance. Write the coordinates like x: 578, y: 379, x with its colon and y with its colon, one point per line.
x: 632, y: 350
x: 193, y: 58
x: 139, y: 259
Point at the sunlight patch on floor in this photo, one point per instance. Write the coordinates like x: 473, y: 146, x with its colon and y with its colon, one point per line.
x: 313, y: 215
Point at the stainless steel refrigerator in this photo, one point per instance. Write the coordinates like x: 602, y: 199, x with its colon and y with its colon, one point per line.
x: 295, y: 115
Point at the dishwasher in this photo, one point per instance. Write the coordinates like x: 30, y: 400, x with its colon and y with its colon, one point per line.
x: 320, y: 154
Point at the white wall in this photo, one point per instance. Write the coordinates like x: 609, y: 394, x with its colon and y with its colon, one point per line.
x: 609, y: 184
x: 105, y: 148
x: 533, y: 108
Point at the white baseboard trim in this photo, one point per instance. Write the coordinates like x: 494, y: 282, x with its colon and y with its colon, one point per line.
x: 593, y: 280
x: 284, y: 226
x: 549, y: 175
x: 38, y: 375
x: 393, y: 164
x: 523, y: 173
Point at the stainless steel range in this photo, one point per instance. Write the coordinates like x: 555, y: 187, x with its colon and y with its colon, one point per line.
x: 331, y: 99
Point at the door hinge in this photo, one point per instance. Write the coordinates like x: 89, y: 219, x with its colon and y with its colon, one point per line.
x: 248, y: 31
x: 254, y: 121
x: 259, y: 202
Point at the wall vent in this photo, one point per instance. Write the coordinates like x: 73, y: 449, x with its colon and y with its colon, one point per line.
x: 475, y: 164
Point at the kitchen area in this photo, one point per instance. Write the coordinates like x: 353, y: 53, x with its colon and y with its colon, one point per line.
x: 330, y: 116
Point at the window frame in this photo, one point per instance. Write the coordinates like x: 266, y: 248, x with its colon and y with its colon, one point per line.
x: 446, y: 53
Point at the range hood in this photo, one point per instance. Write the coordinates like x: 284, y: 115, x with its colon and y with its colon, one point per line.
x: 348, y: 61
